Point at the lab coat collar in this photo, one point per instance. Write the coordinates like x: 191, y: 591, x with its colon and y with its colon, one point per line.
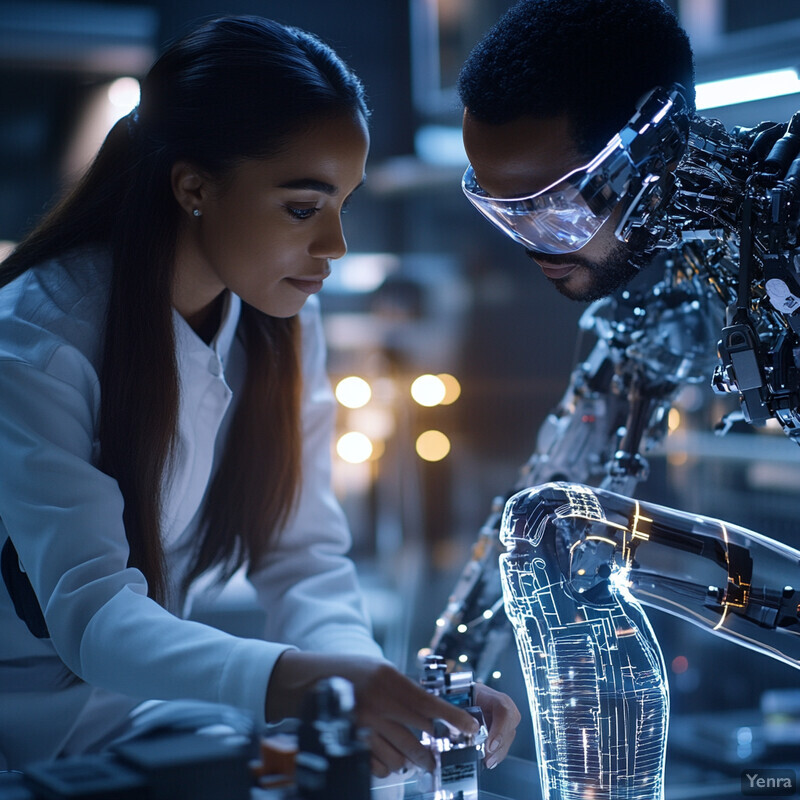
x: 222, y: 341
x: 190, y: 344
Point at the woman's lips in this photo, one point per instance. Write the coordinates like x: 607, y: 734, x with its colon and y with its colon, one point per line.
x: 307, y: 286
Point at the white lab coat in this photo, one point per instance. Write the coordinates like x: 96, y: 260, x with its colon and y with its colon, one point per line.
x: 64, y: 517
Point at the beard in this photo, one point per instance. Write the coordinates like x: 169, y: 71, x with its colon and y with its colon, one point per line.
x: 619, y: 266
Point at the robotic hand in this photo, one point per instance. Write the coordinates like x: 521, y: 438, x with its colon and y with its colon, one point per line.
x: 727, y: 220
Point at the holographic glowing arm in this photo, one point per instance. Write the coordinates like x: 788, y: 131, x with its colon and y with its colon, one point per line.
x: 593, y: 670
x: 578, y: 563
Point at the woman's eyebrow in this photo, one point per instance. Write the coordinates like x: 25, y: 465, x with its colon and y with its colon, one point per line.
x: 314, y: 185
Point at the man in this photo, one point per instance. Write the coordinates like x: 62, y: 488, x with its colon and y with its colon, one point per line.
x: 545, y: 90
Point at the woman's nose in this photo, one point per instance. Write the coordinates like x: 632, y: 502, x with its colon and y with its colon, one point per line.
x: 330, y: 242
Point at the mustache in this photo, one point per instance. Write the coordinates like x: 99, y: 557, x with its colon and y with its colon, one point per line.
x: 555, y: 259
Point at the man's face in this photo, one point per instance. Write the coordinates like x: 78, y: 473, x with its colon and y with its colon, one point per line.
x: 526, y: 155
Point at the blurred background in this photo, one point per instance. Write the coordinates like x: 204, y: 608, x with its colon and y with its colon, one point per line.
x: 447, y: 348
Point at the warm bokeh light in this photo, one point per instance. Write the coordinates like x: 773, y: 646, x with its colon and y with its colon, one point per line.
x: 379, y: 423
x: 428, y: 390
x: 353, y: 392
x: 452, y: 388
x: 674, y: 419
x: 678, y: 458
x: 354, y: 447
x: 432, y: 445
x: 378, y: 448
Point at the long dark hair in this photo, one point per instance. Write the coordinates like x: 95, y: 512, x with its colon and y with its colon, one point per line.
x: 236, y: 88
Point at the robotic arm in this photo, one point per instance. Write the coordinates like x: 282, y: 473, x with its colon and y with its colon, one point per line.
x: 649, y: 345
x: 569, y: 565
x: 734, y: 582
x: 727, y: 306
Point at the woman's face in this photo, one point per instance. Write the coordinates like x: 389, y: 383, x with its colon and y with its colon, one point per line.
x: 270, y: 229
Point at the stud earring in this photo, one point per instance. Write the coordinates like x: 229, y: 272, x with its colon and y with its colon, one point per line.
x: 197, y: 212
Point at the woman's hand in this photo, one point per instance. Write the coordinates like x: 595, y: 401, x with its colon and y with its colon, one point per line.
x: 502, y: 717
x: 387, y: 703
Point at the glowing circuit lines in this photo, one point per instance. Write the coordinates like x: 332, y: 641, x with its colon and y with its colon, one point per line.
x: 593, y: 671
x: 636, y: 532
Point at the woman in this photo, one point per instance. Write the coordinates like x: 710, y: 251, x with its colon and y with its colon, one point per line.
x: 164, y: 412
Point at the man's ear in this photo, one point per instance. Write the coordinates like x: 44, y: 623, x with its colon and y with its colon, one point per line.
x: 189, y: 187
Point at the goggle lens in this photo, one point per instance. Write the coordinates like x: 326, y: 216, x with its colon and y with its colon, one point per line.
x: 556, y: 220
x: 564, y: 216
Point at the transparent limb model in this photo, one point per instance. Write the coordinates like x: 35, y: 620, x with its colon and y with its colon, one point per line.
x: 565, y: 556
x: 579, y: 562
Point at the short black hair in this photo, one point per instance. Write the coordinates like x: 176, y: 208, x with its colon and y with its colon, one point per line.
x: 589, y: 59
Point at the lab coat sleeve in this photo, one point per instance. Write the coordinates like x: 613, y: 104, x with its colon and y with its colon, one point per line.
x: 306, y: 583
x: 64, y: 517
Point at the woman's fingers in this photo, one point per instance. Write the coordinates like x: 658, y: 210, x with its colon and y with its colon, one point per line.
x: 502, y: 717
x: 402, y: 703
x: 407, y: 744
x: 389, y: 694
x: 436, y: 708
x: 391, y: 705
x: 385, y: 755
x: 394, y: 748
x: 378, y: 768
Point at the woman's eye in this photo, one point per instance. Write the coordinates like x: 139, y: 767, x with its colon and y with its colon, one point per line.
x: 301, y: 213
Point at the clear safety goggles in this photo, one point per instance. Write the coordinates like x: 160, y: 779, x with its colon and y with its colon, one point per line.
x: 557, y: 219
